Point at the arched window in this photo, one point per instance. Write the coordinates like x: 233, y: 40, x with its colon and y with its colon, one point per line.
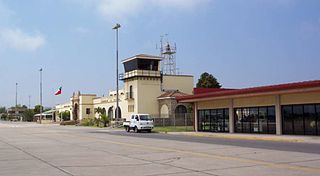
x: 164, y: 112
x: 110, y: 112
x: 180, y: 111
x: 119, y: 110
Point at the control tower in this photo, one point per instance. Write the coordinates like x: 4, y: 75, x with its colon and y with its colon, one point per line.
x: 142, y: 83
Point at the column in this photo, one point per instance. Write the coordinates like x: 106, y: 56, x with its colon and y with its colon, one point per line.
x: 278, y: 116
x: 231, y: 117
x: 196, y: 116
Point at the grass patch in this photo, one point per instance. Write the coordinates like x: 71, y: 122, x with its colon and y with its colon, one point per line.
x: 173, y: 129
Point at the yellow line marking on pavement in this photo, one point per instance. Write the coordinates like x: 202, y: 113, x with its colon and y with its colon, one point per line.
x: 230, y: 158
x: 247, y: 138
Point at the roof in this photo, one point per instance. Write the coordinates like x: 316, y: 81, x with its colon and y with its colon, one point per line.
x: 252, y: 90
x: 172, y: 94
x: 142, y: 56
x: 207, y: 90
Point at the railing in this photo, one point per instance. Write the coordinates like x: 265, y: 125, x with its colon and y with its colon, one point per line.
x: 147, y: 73
x: 129, y: 96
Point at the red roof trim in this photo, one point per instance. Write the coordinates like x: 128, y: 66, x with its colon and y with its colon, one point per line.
x: 207, y: 90
x: 262, y: 89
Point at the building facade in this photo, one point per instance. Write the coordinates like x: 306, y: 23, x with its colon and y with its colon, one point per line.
x: 144, y: 83
x: 278, y: 109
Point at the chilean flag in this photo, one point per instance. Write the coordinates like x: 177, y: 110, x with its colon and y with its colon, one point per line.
x: 59, y: 91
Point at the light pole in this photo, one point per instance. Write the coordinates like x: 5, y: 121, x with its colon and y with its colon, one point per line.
x: 40, y: 95
x: 16, y: 107
x: 116, y: 27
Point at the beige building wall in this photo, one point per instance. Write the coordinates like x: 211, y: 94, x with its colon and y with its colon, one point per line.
x: 110, y: 102
x: 148, y: 92
x: 300, y: 98
x: 217, y: 104
x: 254, y: 101
x: 63, y: 108
x: 86, y: 101
x: 183, y: 83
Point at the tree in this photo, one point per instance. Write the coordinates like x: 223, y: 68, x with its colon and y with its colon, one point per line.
x: 37, y: 109
x: 208, y: 81
x: 104, y: 119
x: 3, y: 110
x: 103, y: 116
x: 28, y: 115
x: 4, y: 117
x: 65, y: 115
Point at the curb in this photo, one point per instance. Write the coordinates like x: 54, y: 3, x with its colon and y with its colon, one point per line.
x: 244, y: 138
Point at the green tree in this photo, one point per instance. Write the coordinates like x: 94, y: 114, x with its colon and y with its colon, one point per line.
x: 208, y: 81
x: 4, y: 117
x: 3, y: 110
x: 28, y: 115
x: 104, y: 119
x: 65, y: 115
x: 37, y: 109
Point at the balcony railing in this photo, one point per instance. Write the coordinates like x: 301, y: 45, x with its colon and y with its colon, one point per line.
x: 129, y: 96
x: 142, y: 73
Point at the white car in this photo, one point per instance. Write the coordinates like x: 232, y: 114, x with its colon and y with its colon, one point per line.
x: 139, y: 122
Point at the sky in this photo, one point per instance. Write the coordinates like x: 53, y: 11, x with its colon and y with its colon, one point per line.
x: 243, y: 43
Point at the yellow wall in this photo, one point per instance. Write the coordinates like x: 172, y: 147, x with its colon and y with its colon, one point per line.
x: 86, y: 102
x: 178, y: 82
x: 254, y: 101
x: 300, y: 98
x: 217, y: 104
x: 148, y: 92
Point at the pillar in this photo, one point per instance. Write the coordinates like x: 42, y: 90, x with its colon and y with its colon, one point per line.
x: 278, y: 116
x: 196, y: 116
x: 231, y: 117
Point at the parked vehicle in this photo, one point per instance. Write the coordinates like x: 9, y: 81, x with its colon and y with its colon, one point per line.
x: 139, y: 122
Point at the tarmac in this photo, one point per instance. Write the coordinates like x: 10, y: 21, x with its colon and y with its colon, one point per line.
x: 28, y: 149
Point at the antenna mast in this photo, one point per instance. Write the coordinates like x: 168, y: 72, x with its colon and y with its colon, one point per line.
x: 168, y: 53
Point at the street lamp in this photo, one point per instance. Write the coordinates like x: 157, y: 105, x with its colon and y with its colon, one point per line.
x: 116, y: 27
x: 40, y: 95
x: 16, y: 108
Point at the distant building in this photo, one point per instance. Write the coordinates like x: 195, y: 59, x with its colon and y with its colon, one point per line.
x: 146, y: 90
x: 16, y: 112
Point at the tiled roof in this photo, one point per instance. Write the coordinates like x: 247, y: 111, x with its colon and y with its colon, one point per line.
x: 172, y: 94
x: 252, y: 90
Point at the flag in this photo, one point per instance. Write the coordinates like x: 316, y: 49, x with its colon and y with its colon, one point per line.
x: 59, y: 91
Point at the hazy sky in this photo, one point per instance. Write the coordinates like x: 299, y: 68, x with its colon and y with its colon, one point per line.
x: 243, y: 43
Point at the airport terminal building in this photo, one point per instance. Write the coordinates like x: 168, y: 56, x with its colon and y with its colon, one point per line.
x: 146, y: 89
x: 278, y: 109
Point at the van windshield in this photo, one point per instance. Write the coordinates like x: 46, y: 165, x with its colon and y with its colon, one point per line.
x: 145, y: 117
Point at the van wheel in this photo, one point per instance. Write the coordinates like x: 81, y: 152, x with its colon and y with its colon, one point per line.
x: 136, y: 130
x: 149, y: 131
x: 127, y: 129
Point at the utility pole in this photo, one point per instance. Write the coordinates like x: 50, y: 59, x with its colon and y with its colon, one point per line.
x: 29, y: 102
x: 40, y: 118
x: 116, y: 27
x: 16, y: 107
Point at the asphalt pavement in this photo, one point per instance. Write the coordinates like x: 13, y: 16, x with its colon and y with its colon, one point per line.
x: 28, y: 149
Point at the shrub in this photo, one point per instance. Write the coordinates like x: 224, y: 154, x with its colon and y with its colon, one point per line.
x: 104, y: 119
x: 87, y: 122
x: 4, y: 117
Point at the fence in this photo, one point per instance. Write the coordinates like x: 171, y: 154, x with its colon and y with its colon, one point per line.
x: 183, y: 119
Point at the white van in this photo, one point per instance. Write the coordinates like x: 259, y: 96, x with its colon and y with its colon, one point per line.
x: 139, y: 122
